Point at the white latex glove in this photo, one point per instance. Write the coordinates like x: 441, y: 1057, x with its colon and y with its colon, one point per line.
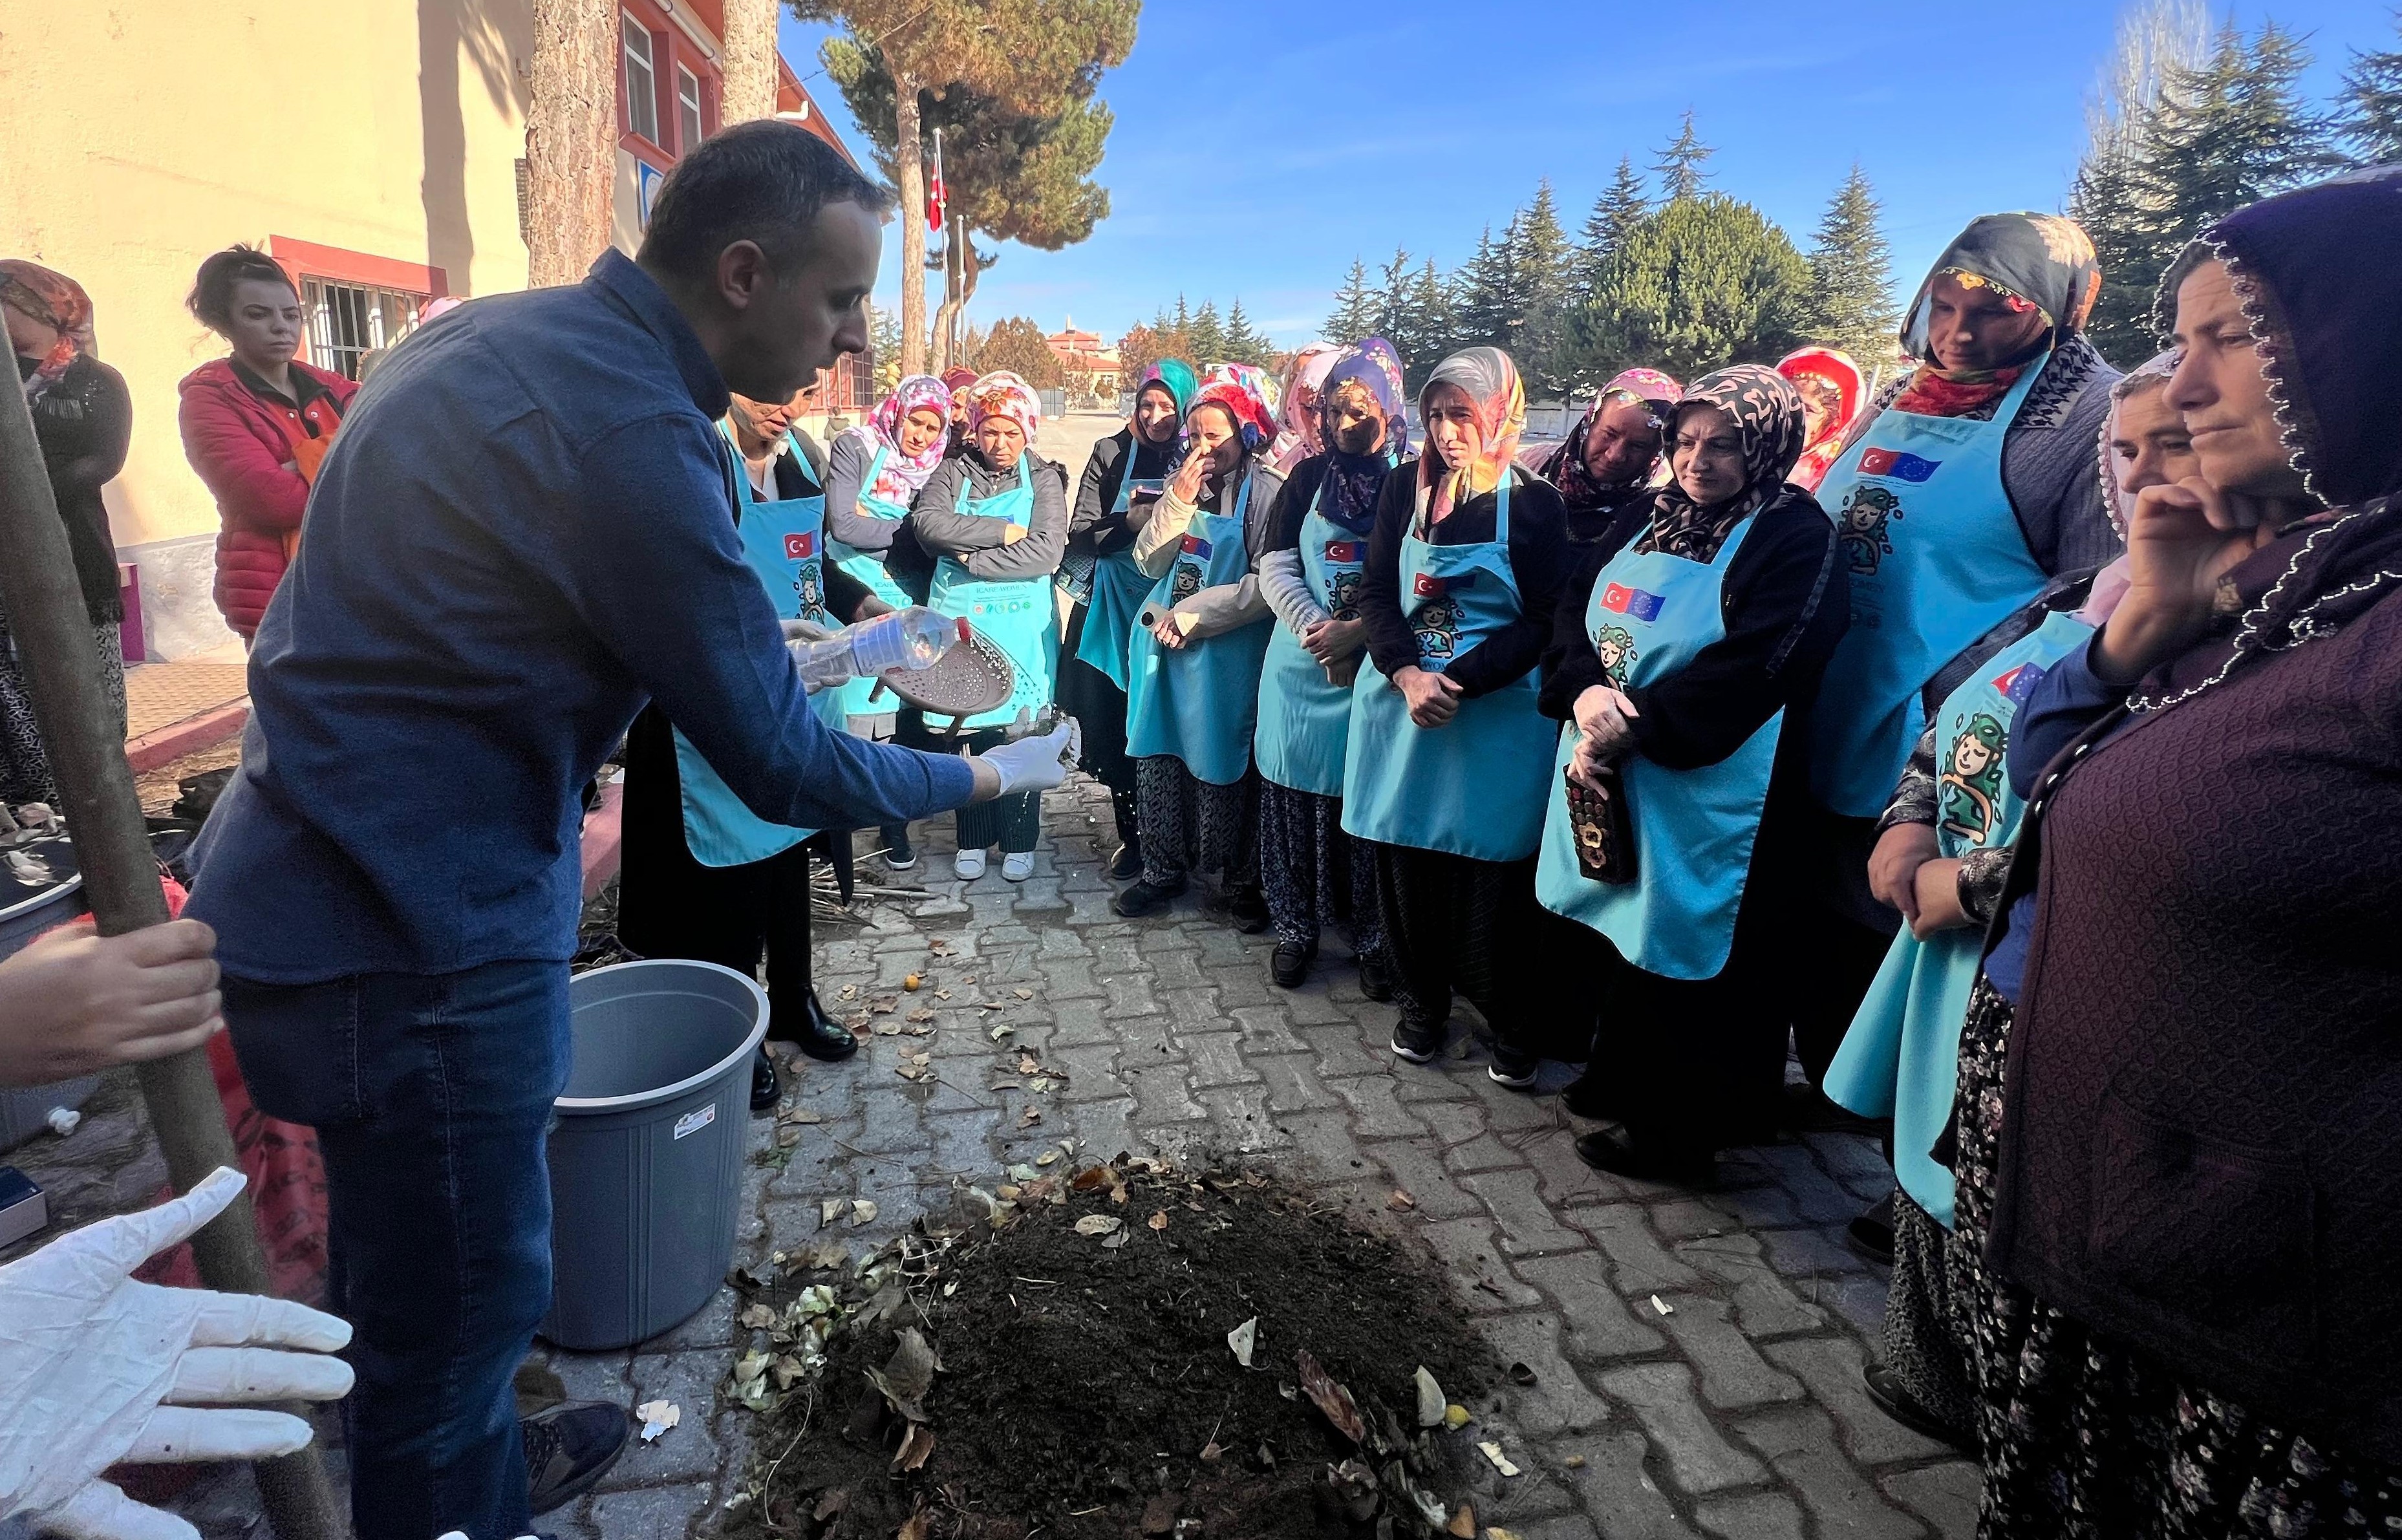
x: 821, y: 653
x: 96, y: 1369
x: 1033, y: 764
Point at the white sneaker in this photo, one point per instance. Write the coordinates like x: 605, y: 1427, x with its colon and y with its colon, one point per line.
x: 968, y: 865
x: 1017, y: 866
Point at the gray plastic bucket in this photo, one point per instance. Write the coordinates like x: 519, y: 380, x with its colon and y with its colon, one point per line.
x: 28, y: 908
x: 646, y: 1156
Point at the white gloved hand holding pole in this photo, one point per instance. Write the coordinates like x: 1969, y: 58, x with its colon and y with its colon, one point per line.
x: 96, y: 1369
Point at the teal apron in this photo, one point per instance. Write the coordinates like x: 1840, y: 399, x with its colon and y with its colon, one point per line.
x: 1901, y: 1057
x: 869, y: 570
x: 1118, y: 590
x: 1694, y: 829
x: 1196, y: 703
x: 1937, y: 560
x: 782, y: 541
x: 1475, y: 786
x: 1305, y: 718
x: 1014, y: 614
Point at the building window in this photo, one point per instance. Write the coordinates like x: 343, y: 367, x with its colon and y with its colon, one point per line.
x: 642, y: 81
x: 688, y: 110
x: 349, y: 321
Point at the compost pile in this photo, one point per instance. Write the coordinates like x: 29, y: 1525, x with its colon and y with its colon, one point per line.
x: 1126, y: 1349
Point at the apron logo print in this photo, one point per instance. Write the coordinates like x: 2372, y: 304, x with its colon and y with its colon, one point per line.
x: 1437, y: 623
x: 1971, y: 788
x: 1860, y: 526
x: 1615, y: 646
x: 800, y: 545
x: 812, y: 594
x: 1635, y: 602
x: 2020, y: 682
x: 1897, y: 464
x: 1344, y: 591
x: 1195, y: 547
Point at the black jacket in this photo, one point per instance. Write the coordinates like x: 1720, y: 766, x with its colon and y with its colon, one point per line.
x: 1537, y: 561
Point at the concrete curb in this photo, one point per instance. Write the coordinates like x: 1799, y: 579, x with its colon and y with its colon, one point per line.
x: 190, y: 735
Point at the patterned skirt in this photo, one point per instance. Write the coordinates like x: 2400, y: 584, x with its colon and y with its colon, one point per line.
x: 2088, y: 1439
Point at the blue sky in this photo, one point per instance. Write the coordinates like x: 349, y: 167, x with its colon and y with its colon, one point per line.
x: 1261, y: 146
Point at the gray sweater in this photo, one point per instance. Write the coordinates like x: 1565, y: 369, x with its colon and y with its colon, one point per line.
x: 979, y: 542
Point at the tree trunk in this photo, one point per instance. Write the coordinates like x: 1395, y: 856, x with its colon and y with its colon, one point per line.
x: 910, y: 156
x: 749, y: 61
x: 570, y: 139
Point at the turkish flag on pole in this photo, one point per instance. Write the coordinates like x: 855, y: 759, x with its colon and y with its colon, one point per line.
x: 938, y: 197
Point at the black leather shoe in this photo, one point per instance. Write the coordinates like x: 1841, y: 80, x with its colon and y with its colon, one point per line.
x: 764, y: 1084
x: 1127, y: 864
x: 1290, y: 964
x: 1375, y: 978
x: 817, y: 1034
x: 1249, y: 910
x: 1621, y: 1155
x: 1872, y: 1233
x: 1885, y: 1389
x: 569, y: 1448
x: 1145, y: 898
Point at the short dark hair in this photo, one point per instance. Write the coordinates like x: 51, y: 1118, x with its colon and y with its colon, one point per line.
x: 211, y: 300
x: 762, y: 182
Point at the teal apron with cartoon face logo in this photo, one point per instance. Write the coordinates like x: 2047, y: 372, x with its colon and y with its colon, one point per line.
x: 1197, y: 703
x: 1117, y: 592
x: 1901, y: 1057
x: 1475, y: 786
x: 1014, y: 614
x: 868, y: 569
x: 782, y: 541
x: 1304, y: 718
x: 1936, y: 560
x: 1653, y: 612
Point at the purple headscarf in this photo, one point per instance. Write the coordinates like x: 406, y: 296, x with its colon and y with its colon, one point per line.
x: 1353, y: 481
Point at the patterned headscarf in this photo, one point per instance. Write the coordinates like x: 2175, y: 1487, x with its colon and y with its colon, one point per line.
x: 1489, y: 379
x: 898, y: 477
x: 2110, y: 584
x: 58, y: 302
x: 1835, y: 368
x: 1236, y: 387
x: 1175, y: 376
x: 1354, y: 481
x: 1565, y: 468
x: 2036, y: 262
x: 1001, y: 394
x: 1767, y: 413
x: 1299, y: 393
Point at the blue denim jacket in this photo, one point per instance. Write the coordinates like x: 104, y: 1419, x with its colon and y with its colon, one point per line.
x: 523, y: 531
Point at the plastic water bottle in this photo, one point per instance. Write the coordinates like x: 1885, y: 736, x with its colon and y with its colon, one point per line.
x: 915, y: 637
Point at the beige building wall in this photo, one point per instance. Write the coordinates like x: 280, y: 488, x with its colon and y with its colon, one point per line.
x: 143, y: 135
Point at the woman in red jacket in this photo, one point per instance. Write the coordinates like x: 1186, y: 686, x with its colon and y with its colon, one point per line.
x: 256, y: 425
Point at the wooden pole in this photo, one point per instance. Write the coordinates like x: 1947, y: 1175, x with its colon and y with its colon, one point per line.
x: 120, y: 881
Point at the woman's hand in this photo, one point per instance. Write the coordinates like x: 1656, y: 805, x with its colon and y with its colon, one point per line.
x: 1434, y: 698
x: 1186, y: 485
x: 1171, y: 635
x: 1893, y: 866
x: 1329, y: 641
x: 1342, y: 671
x: 2181, y: 539
x: 1938, y: 883
x: 1607, y: 719
x: 76, y: 1001
x: 1586, y: 765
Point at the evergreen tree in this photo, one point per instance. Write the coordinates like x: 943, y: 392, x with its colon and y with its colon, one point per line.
x: 1355, y: 307
x: 1547, y: 274
x: 2372, y: 104
x: 1433, y: 329
x: 1208, y: 335
x: 1851, y: 276
x: 1678, y: 164
x: 1480, y: 301
x: 1393, y: 301
x: 1620, y: 207
x: 1242, y: 344
x: 1703, y: 281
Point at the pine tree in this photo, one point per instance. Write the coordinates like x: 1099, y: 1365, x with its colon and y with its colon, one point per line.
x: 1703, y: 282
x: 1355, y: 307
x: 1851, y: 275
x: 1393, y: 301
x: 1242, y: 344
x: 1208, y: 335
x: 1479, y: 297
x: 2109, y: 198
x: 1678, y: 165
x: 1433, y: 331
x: 1620, y: 208
x: 2372, y: 104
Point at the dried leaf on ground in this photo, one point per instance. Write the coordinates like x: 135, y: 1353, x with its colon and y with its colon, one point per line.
x: 907, y: 1375
x: 830, y: 1209
x: 1098, y: 1224
x: 1047, y: 1158
x: 1028, y: 1063
x: 787, y: 1135
x: 657, y: 1417
x: 861, y: 1212
x: 799, y: 1115
x: 1400, y: 1202
x: 756, y: 1316
x: 884, y: 1004
x: 1000, y: 1032
x: 921, y: 1016
x: 917, y: 1447
x: 1023, y: 993
x: 1431, y: 1400
x: 1029, y: 1118
x: 919, y: 1527
x: 1330, y: 1398
x: 1463, y: 1523
x: 1091, y: 1177
x: 942, y: 994
x: 1159, y: 1220
x: 1242, y: 1338
x: 1116, y: 1239
x: 850, y: 991
x: 1457, y: 1417
x: 1492, y: 1452
x: 888, y: 1029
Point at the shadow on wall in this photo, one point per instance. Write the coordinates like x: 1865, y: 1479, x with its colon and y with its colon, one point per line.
x: 447, y: 31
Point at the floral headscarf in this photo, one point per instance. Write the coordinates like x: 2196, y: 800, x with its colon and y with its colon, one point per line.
x: 58, y: 302
x: 898, y: 478
x: 1299, y: 394
x: 1001, y: 394
x: 1565, y: 467
x: 1353, y: 481
x: 1489, y: 379
x: 1767, y: 413
x: 1175, y: 376
x: 1236, y: 387
x: 1833, y: 368
x: 2036, y: 262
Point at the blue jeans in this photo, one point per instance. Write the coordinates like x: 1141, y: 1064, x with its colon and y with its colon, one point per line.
x: 431, y: 1101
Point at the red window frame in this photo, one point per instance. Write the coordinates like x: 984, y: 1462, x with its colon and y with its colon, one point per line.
x: 669, y: 48
x: 299, y: 259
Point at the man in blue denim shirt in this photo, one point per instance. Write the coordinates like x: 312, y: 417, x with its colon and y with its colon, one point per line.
x: 523, y: 531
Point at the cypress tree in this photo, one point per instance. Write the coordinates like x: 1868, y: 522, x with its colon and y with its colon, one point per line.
x: 1678, y: 164
x: 2371, y: 103
x: 1851, y: 275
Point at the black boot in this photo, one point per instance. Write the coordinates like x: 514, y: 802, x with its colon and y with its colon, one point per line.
x: 1146, y: 898
x: 819, y: 1035
x: 765, y: 1086
x: 1288, y: 965
x: 1127, y: 864
x: 1248, y: 909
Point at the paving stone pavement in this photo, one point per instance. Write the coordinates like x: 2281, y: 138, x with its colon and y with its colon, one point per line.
x: 1738, y: 1413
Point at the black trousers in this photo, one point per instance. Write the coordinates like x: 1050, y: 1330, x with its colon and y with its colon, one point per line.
x: 1456, y: 923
